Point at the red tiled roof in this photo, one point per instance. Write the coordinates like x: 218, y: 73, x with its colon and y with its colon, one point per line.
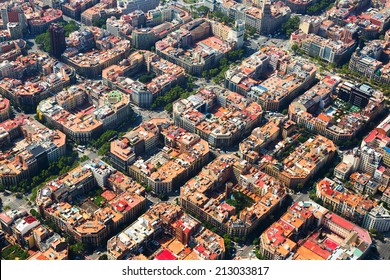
x: 29, y: 219
x: 341, y: 222
x: 330, y: 244
x: 108, y: 195
x: 165, y: 255
x: 315, y: 248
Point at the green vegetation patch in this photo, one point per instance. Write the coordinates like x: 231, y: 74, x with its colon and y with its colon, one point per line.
x: 14, y: 252
x: 240, y: 201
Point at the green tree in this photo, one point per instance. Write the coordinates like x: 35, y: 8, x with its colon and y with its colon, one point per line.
x: 146, y: 78
x: 203, y: 10
x: 36, y: 214
x: 70, y: 27
x: 291, y: 25
x: 104, y: 149
x: 84, y: 158
x: 77, y: 248
x: 295, y: 48
x: 99, y: 22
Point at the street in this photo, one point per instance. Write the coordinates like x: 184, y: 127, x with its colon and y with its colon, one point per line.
x: 300, y: 197
x: 380, y: 250
x: 92, y: 154
x: 147, y: 114
x: 12, y: 202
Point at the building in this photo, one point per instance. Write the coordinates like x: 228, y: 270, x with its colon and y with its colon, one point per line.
x: 285, y: 78
x: 15, y: 30
x: 209, y: 196
x: 168, y: 223
x: 378, y: 219
x: 128, y: 6
x: 371, y: 61
x: 260, y: 138
x: 318, y: 111
x: 266, y: 19
x: 40, y: 21
x: 57, y: 39
x: 8, y: 218
x: 299, y: 6
x: 331, y: 237
x: 358, y: 94
x: 370, y: 160
x: 336, y: 197
x: 329, y: 50
x: 349, y: 164
x: 167, y: 75
x: 57, y: 249
x: 206, y: 47
x: 74, y: 8
x: 4, y: 109
x: 87, y: 224
x: 22, y: 231
x: 103, y: 109
x: 277, y: 91
x: 143, y: 138
x: 11, y: 50
x: 219, y: 116
x: 36, y: 147
x: 184, y: 154
x: 301, y: 165
x: 34, y: 77
x: 91, y: 15
x: 110, y: 50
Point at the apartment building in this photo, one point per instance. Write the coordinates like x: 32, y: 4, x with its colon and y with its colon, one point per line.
x: 219, y: 116
x: 184, y: 154
x: 25, y: 157
x: 331, y: 237
x: 103, y: 109
x: 168, y: 222
x: 305, y: 161
x: 226, y: 178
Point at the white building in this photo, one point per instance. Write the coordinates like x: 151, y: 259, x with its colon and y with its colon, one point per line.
x: 378, y: 218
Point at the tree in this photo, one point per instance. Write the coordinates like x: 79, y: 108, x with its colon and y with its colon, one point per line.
x: 291, y: 25
x: 295, y: 48
x: 36, y: 214
x: 44, y: 40
x: 203, y: 10
x: 168, y: 107
x: 70, y: 27
x: 77, y: 248
x: 99, y: 22
x: 214, y: 72
x: 84, y: 158
x: 163, y: 197
x: 36, y: 180
x: 146, y: 78
x: 104, y: 138
x: 300, y: 186
x: 103, y: 257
